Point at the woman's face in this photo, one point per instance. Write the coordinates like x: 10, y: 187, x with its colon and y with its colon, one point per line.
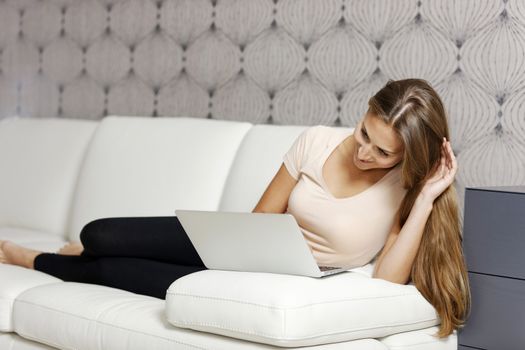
x: 376, y: 144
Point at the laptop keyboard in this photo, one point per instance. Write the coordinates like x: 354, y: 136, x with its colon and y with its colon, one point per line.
x: 326, y: 268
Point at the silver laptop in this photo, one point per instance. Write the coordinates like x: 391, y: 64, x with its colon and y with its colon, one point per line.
x: 255, y: 242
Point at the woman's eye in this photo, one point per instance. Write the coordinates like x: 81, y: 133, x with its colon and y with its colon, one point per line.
x: 380, y: 151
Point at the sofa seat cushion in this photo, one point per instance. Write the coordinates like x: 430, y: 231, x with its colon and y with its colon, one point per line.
x: 421, y: 339
x: 288, y: 310
x: 16, y: 280
x: 82, y: 316
x: 33, y: 239
x: 12, y: 341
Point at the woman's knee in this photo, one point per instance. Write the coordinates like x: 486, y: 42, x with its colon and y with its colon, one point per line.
x: 93, y: 233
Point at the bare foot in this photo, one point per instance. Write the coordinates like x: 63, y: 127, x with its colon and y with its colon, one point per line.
x: 73, y: 248
x: 3, y: 259
x: 14, y: 254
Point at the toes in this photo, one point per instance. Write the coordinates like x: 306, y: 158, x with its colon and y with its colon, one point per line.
x: 3, y: 259
x: 61, y: 250
x: 71, y: 249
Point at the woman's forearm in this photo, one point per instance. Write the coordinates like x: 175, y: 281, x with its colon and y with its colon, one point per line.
x: 397, y: 262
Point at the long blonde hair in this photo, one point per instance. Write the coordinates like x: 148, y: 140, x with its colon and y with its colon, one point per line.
x: 416, y: 113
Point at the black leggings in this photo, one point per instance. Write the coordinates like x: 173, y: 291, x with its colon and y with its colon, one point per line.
x: 140, y: 254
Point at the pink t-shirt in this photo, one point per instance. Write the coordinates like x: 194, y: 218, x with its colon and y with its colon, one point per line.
x: 349, y: 231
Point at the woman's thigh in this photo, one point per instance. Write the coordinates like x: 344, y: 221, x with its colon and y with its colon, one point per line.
x: 151, y: 237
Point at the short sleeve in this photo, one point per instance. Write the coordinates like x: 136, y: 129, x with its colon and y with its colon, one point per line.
x: 296, y: 156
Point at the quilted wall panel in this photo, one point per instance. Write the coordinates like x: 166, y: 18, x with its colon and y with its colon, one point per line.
x: 274, y: 61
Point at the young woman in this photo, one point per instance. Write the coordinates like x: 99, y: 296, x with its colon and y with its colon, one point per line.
x: 382, y: 190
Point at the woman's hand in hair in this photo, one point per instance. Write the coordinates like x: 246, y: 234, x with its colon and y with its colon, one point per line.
x: 443, y: 173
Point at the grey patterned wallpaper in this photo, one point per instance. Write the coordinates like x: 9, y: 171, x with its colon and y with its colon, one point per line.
x: 274, y: 61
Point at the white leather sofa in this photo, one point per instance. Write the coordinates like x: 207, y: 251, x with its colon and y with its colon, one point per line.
x: 57, y: 175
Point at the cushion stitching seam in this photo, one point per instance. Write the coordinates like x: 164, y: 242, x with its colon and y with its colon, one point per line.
x: 286, y: 307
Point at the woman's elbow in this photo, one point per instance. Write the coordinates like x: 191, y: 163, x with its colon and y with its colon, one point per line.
x: 392, y: 278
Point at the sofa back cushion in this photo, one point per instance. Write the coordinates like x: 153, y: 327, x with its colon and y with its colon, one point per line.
x: 40, y: 161
x: 138, y: 166
x: 258, y: 160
